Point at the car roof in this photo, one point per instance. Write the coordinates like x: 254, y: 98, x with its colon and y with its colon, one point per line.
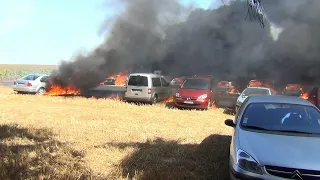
x: 278, y: 99
x: 146, y: 74
x: 38, y: 74
x: 257, y: 87
x: 199, y: 77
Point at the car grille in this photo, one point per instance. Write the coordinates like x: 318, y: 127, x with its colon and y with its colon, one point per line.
x: 292, y: 173
x: 188, y: 98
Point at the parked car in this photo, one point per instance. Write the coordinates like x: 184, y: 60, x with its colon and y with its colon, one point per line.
x: 275, y: 137
x: 31, y: 83
x: 226, y: 94
x: 293, y: 90
x: 147, y: 87
x: 195, y: 92
x: 252, y: 91
x: 108, y: 81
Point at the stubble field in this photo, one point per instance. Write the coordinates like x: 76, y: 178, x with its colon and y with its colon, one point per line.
x: 43, y: 137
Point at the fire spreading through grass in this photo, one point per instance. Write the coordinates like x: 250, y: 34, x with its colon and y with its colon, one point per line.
x: 57, y: 90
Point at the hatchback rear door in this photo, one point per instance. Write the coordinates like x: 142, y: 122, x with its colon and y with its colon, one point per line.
x: 138, y: 86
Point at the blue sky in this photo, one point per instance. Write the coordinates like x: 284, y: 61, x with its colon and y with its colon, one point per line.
x: 46, y: 31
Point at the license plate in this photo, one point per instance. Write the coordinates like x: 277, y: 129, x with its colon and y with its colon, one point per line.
x: 188, y: 102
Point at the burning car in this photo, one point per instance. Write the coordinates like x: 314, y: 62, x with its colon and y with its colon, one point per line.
x: 226, y: 94
x: 108, y: 81
x: 293, y: 90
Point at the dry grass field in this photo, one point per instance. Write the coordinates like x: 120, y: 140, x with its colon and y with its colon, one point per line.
x: 45, y: 137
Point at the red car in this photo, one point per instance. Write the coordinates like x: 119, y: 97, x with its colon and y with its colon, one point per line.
x: 195, y: 92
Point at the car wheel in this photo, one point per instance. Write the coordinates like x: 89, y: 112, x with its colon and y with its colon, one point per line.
x: 154, y: 99
x: 40, y: 91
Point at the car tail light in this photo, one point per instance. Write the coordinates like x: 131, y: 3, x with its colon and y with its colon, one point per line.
x: 149, y: 91
x: 102, y: 83
x: 29, y: 84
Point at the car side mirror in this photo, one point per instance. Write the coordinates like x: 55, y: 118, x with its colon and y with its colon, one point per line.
x: 229, y: 122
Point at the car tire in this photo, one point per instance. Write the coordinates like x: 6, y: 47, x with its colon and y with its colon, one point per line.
x: 41, y: 91
x: 154, y: 99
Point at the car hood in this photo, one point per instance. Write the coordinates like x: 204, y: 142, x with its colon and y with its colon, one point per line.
x: 192, y: 92
x: 299, y: 152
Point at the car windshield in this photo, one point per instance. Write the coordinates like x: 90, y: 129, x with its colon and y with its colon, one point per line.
x: 280, y: 117
x: 138, y: 81
x: 30, y: 77
x: 199, y: 84
x: 255, y: 91
x: 175, y: 82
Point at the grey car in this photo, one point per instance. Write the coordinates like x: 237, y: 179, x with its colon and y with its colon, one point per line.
x: 275, y: 137
x: 251, y: 91
x: 147, y: 87
x: 31, y: 83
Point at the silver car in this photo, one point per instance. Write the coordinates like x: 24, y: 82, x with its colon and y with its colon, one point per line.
x: 276, y: 138
x: 147, y: 87
x: 251, y: 91
x: 32, y: 83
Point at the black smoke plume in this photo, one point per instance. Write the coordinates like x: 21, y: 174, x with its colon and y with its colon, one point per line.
x: 163, y: 35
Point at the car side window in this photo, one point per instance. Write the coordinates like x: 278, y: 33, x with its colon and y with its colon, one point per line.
x: 156, y: 82
x: 164, y: 83
x: 237, y: 117
x: 44, y: 79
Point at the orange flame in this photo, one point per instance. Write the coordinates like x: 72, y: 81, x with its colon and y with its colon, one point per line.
x: 169, y: 100
x: 233, y: 91
x: 255, y: 83
x: 213, y: 106
x: 56, y: 90
x: 304, y: 95
x: 292, y: 87
x: 120, y: 78
x: 223, y: 83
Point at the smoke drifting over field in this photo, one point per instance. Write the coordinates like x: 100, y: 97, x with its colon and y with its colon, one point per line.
x: 162, y: 34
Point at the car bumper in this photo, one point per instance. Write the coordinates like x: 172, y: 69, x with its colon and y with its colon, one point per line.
x: 25, y: 89
x: 195, y: 104
x: 135, y: 99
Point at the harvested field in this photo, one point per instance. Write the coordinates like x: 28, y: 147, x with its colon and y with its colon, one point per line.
x: 74, y: 137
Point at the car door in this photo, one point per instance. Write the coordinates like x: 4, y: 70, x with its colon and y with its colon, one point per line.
x: 165, y: 88
x: 156, y: 87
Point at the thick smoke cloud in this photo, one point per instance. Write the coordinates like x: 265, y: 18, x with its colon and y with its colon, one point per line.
x: 162, y: 35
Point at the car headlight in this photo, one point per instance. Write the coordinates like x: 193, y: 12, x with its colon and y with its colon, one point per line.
x: 203, y: 96
x: 246, y: 162
x: 177, y: 95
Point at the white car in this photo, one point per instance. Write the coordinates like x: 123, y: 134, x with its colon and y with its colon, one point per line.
x: 32, y: 83
x: 252, y: 91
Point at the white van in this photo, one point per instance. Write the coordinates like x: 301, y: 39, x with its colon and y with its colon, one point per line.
x: 147, y: 87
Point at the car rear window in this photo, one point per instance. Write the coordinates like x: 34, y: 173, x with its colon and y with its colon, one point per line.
x: 198, y: 84
x: 30, y: 77
x: 137, y: 80
x: 282, y: 117
x: 255, y: 91
x: 223, y: 83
